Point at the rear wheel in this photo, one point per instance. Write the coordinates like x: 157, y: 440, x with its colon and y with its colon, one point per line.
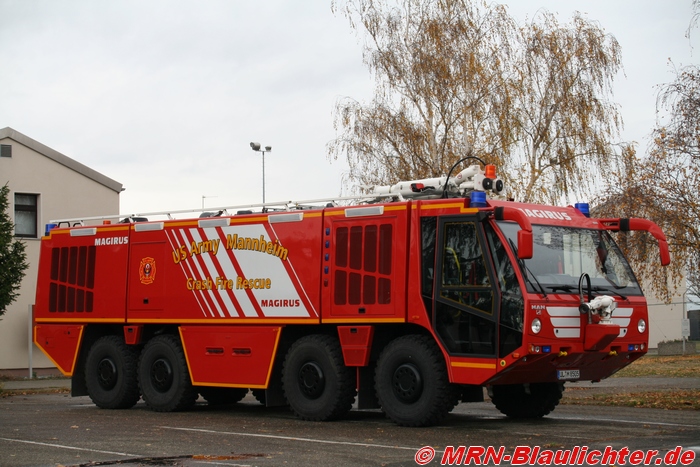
x: 316, y: 382
x: 534, y: 400
x: 412, y: 383
x: 222, y: 396
x: 163, y: 375
x: 110, y: 374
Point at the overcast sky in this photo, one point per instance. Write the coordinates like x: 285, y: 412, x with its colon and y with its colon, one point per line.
x: 165, y: 96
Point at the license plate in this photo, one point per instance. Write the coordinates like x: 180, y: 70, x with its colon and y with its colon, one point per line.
x: 568, y: 375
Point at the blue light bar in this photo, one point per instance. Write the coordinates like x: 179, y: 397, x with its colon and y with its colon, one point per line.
x: 478, y: 199
x: 546, y: 348
x: 49, y: 228
x: 583, y: 208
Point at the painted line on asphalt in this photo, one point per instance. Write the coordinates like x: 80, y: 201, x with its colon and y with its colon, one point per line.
x: 68, y: 447
x: 291, y: 438
x: 527, y: 433
x: 222, y: 463
x: 634, y: 422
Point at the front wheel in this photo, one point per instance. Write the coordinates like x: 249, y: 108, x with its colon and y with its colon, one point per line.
x: 412, y: 383
x: 316, y: 382
x: 163, y: 375
x: 534, y: 400
x: 110, y: 374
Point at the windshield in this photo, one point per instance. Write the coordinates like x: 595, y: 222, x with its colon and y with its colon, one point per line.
x: 562, y: 254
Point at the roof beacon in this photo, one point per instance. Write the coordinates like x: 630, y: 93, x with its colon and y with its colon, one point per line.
x: 583, y: 209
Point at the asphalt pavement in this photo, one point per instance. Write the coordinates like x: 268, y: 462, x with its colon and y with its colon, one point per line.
x: 49, y: 428
x: 626, y: 384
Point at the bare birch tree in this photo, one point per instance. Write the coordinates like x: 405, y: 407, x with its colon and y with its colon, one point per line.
x: 455, y: 75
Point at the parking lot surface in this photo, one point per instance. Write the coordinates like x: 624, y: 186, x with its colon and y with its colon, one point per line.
x: 56, y: 429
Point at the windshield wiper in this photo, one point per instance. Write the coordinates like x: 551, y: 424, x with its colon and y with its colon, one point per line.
x: 524, y: 267
x: 563, y: 287
x: 598, y: 288
x: 571, y: 288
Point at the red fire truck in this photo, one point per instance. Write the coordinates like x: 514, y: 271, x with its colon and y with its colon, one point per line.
x: 414, y: 299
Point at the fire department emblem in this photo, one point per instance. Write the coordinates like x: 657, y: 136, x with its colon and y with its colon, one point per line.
x: 147, y: 270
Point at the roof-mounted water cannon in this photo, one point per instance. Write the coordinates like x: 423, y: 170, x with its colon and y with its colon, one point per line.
x: 474, y: 179
x: 461, y: 185
x: 426, y: 188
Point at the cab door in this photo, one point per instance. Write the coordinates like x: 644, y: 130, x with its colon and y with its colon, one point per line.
x: 466, y: 301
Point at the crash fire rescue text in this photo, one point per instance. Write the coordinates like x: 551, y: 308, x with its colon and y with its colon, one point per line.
x: 412, y: 298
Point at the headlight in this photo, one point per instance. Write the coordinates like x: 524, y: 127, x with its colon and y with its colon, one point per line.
x: 641, y: 326
x: 536, y: 326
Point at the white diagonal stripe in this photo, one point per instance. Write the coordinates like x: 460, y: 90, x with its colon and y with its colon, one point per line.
x: 227, y: 267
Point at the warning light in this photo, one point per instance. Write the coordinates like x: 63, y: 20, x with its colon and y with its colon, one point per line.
x: 478, y: 199
x: 490, y: 171
x: 583, y: 209
x: 49, y: 228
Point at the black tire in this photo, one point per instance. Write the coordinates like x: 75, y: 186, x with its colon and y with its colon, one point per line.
x: 412, y: 384
x: 317, y: 384
x: 520, y: 401
x: 222, y: 396
x: 110, y: 374
x: 163, y: 375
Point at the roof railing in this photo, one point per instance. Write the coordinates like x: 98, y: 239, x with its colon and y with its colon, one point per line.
x: 277, y: 206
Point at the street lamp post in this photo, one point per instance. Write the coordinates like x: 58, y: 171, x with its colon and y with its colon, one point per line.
x: 203, y: 198
x: 256, y: 147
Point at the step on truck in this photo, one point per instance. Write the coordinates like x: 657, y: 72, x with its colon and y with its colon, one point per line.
x: 412, y: 299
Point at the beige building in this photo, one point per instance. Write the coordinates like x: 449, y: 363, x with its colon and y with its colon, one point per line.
x: 665, y: 319
x: 44, y: 184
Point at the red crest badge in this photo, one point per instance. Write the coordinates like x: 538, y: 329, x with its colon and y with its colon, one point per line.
x: 147, y: 270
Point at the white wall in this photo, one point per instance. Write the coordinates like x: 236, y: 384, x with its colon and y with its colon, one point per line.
x: 665, y: 319
x: 63, y: 193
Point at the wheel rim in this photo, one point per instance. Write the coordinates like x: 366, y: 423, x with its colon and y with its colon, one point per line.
x: 161, y: 375
x: 311, y: 380
x: 407, y: 383
x: 107, y: 374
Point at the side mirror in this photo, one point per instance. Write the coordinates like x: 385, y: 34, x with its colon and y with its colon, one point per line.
x: 524, y: 244
x: 524, y: 234
x: 626, y: 225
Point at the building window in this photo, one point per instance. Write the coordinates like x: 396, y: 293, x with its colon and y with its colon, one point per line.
x: 5, y: 150
x: 26, y: 215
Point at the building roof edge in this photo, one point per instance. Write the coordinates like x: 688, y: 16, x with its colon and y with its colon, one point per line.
x: 62, y: 159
